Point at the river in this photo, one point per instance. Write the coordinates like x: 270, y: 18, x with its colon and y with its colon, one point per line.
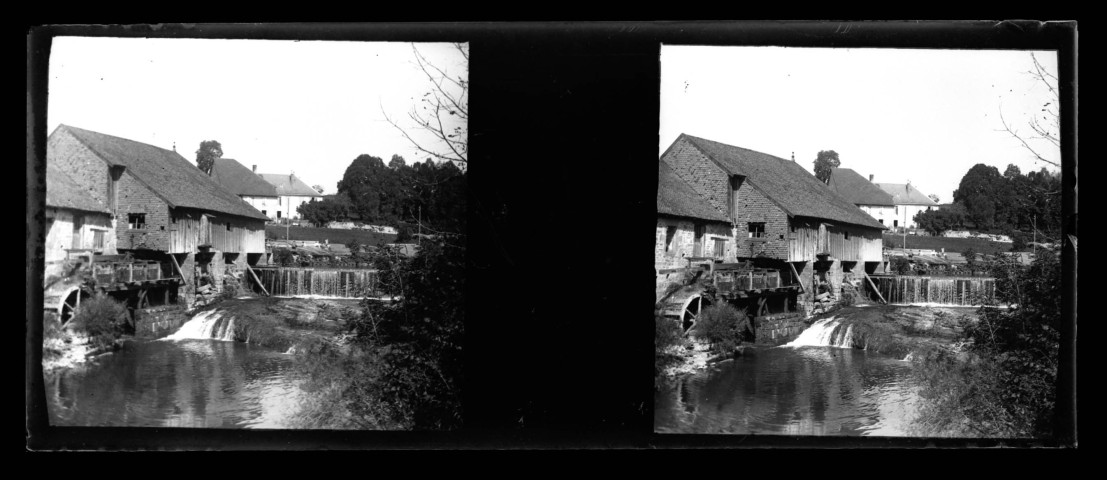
x: 804, y: 390
x: 177, y: 383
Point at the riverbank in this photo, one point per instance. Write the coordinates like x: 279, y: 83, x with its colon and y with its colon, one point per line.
x: 292, y: 325
x: 895, y: 330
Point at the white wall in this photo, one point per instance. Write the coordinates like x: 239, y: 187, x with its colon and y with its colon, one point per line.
x: 882, y: 214
x: 267, y: 205
x: 910, y: 211
x: 59, y: 235
x: 289, y: 203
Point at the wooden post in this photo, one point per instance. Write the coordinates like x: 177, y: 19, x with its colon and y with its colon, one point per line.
x: 798, y: 281
x: 877, y: 290
x: 256, y: 279
x: 175, y: 264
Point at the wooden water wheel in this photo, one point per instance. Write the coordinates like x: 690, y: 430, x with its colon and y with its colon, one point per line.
x: 686, y: 304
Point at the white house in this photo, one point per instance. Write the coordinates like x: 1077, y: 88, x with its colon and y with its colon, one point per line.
x: 245, y: 183
x: 868, y: 197
x: 291, y: 193
x: 909, y: 201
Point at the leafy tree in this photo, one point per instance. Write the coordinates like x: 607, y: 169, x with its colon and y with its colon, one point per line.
x: 322, y: 212
x: 206, y: 155
x: 979, y: 190
x: 938, y: 221
x: 901, y: 266
x: 824, y: 162
x: 397, y: 162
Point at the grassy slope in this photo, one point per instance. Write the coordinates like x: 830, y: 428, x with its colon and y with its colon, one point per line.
x: 333, y: 235
x: 958, y: 245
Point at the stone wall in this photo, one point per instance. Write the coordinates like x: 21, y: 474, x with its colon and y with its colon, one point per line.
x: 683, y: 243
x: 755, y: 207
x: 134, y: 197
x: 159, y: 322
x: 779, y: 329
x: 83, y: 166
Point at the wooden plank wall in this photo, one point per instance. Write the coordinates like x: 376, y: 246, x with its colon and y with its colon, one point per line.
x: 245, y: 235
x: 863, y: 245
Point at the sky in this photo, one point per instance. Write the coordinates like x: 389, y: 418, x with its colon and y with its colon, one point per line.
x: 308, y: 107
x: 924, y: 116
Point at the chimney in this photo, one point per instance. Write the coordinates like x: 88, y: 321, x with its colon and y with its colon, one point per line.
x: 870, y: 177
x: 793, y: 156
x: 255, y: 169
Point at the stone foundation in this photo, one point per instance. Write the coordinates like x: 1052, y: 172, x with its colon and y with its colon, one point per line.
x: 159, y: 322
x: 778, y: 329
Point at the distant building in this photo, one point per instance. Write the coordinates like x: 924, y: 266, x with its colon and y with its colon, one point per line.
x: 291, y: 193
x: 245, y: 183
x: 870, y: 198
x: 909, y: 201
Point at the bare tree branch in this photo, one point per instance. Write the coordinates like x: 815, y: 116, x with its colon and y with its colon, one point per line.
x: 447, y: 102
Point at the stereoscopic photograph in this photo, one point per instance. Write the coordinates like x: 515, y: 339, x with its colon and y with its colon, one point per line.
x: 260, y: 234
x: 858, y: 242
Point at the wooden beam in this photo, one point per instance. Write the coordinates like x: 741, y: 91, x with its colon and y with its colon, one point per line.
x: 256, y: 279
x: 877, y: 290
x: 175, y: 264
x: 798, y: 280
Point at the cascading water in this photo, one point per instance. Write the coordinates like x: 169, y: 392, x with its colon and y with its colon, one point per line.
x: 827, y: 332
x: 908, y: 289
x: 343, y: 283
x: 207, y: 325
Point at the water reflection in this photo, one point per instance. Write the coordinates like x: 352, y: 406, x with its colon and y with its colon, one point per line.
x: 190, y: 383
x: 801, y: 391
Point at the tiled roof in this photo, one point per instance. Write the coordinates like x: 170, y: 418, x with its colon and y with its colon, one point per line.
x: 289, y: 184
x: 851, y: 186
x: 905, y: 194
x: 240, y: 180
x: 675, y: 197
x: 786, y: 183
x: 63, y: 192
x: 165, y: 172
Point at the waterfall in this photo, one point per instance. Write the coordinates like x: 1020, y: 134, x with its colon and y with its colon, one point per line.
x: 206, y: 325
x: 342, y: 283
x: 907, y: 289
x: 827, y: 332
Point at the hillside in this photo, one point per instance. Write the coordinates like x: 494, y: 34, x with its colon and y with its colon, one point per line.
x: 958, y: 245
x: 332, y: 235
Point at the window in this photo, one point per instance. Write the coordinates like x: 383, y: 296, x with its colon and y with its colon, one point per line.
x: 263, y: 212
x: 897, y: 210
x: 895, y: 223
x: 720, y: 247
x: 228, y: 226
x: 97, y: 239
x: 670, y: 232
x: 757, y: 229
x: 847, y: 235
x: 136, y: 220
x: 278, y: 214
x: 881, y: 221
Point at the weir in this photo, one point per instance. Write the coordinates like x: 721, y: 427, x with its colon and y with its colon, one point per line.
x: 963, y: 291
x: 327, y: 282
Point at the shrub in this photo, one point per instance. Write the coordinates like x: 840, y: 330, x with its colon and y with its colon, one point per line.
x: 231, y: 289
x: 283, y: 257
x: 102, y: 319
x: 722, y: 325
x: 849, y: 295
x: 901, y: 266
x: 667, y: 335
